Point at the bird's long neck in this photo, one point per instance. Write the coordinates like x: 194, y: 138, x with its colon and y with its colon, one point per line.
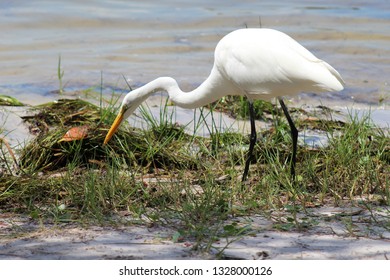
x: 209, y: 91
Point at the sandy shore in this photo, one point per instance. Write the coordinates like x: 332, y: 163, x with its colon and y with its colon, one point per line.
x: 333, y: 233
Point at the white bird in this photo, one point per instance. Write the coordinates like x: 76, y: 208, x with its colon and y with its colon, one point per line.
x: 257, y: 63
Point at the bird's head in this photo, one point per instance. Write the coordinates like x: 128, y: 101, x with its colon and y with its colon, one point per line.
x: 131, y: 101
x: 135, y: 97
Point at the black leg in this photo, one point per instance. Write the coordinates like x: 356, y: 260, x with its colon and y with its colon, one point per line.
x: 252, y: 140
x: 294, y: 136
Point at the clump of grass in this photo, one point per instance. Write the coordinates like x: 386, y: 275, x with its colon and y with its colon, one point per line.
x: 71, y: 194
x: 356, y: 162
x: 6, y: 100
x: 154, y: 148
x: 47, y: 152
x: 63, y: 113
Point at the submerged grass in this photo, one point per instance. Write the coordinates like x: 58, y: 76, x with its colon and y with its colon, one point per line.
x: 192, y: 183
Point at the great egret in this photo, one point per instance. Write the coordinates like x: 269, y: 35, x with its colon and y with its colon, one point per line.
x: 257, y: 63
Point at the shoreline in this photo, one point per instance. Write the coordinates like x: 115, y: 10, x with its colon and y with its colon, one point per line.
x: 17, y: 133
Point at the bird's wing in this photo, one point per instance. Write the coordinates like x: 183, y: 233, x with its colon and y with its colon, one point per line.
x: 270, y: 63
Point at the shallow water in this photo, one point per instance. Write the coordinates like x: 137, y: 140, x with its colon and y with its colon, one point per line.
x: 144, y: 40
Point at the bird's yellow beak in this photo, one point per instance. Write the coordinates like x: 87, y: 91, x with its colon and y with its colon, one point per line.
x: 118, y: 120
